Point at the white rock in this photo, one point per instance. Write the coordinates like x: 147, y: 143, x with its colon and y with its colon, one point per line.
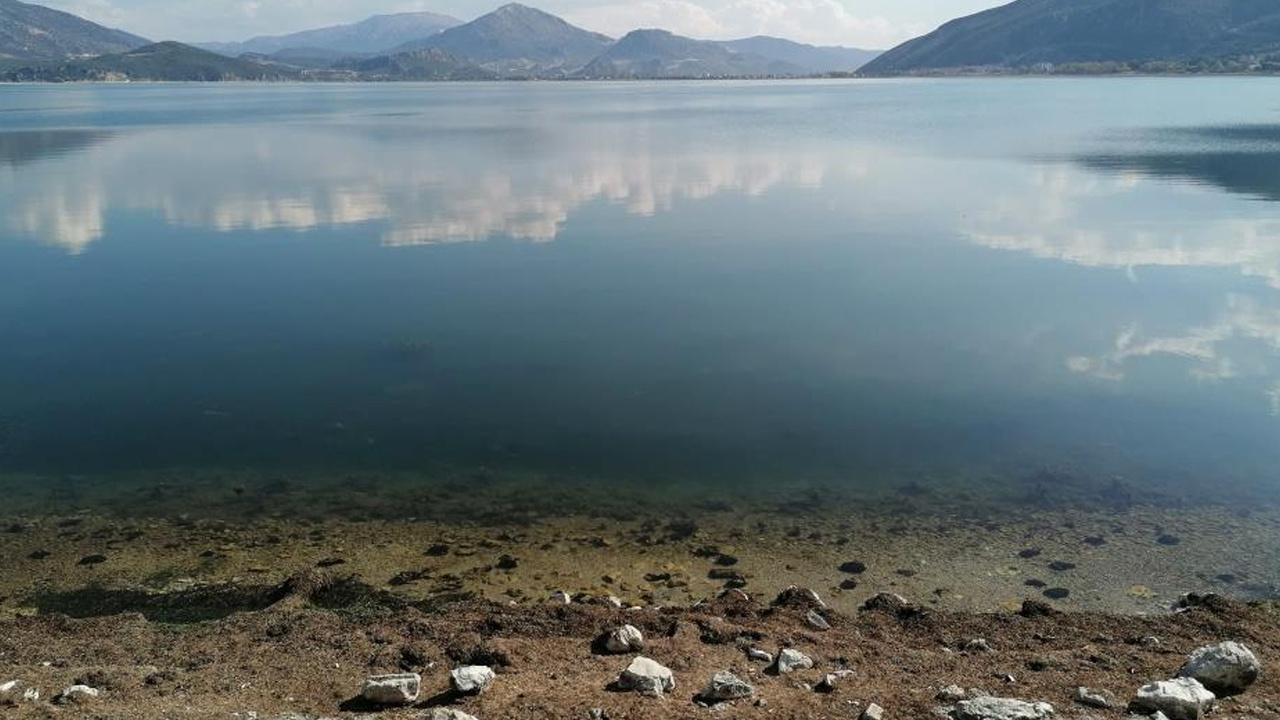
x: 76, y: 694
x: 447, y: 714
x: 1095, y: 698
x: 790, y: 660
x: 14, y: 691
x: 561, y: 597
x: 1180, y: 699
x: 873, y: 712
x: 995, y: 708
x: 472, y: 679
x: 816, y: 621
x: 1227, y: 668
x: 726, y: 686
x: 760, y: 656
x: 647, y: 677
x: 1152, y: 716
x: 398, y: 689
x: 977, y: 645
x: 829, y: 681
x: 625, y: 639
x: 951, y: 694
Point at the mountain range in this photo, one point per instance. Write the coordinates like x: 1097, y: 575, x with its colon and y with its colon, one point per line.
x: 514, y: 41
x: 1047, y: 33
x: 376, y: 34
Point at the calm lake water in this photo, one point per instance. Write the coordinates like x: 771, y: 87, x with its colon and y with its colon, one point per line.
x: 870, y: 282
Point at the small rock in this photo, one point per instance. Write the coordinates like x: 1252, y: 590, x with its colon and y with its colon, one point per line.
x: 830, y: 681
x: 760, y: 656
x: 995, y: 708
x: 816, y: 621
x: 398, y: 689
x: 873, y: 712
x: 623, y: 640
x: 1150, y: 642
x: 951, y: 694
x: 886, y: 601
x: 1101, y: 699
x: 472, y: 679
x: 726, y: 686
x: 790, y: 660
x: 561, y: 597
x: 853, y: 567
x: 647, y: 677
x: 1180, y: 699
x: 1227, y: 668
x: 447, y: 714
x: 795, y: 596
x: 76, y: 694
x: 597, y: 714
x: 977, y: 645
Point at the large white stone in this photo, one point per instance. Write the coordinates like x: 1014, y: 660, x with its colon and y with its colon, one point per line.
x: 994, y: 708
x: 790, y: 660
x: 1180, y: 699
x: 625, y: 639
x: 472, y: 679
x: 399, y: 689
x: 726, y: 686
x: 77, y: 694
x: 648, y: 677
x: 1227, y: 668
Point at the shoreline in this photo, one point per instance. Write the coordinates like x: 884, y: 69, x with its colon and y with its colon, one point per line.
x: 305, y: 655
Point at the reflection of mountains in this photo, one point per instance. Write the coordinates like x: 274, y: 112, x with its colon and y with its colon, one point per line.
x: 427, y: 190
x: 21, y: 147
x: 1242, y: 159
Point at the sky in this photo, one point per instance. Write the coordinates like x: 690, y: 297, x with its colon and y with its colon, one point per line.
x: 873, y: 24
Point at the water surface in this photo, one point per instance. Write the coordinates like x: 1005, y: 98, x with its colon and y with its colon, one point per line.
x: 869, y: 284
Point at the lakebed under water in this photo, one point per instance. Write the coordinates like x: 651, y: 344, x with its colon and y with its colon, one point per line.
x: 989, y: 339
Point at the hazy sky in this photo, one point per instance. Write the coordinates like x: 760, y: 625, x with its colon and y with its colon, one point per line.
x: 863, y: 23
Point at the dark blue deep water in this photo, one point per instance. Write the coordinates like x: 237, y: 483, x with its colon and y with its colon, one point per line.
x: 856, y: 282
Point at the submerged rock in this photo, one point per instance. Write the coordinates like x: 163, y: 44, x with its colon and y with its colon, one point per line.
x: 726, y: 686
x: 791, y: 660
x: 1227, y: 668
x: 472, y: 679
x: 398, y: 689
x: 625, y: 639
x: 995, y: 708
x: 647, y: 677
x: 1180, y: 699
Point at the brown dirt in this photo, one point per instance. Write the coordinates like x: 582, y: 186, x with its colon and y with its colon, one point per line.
x: 305, y: 646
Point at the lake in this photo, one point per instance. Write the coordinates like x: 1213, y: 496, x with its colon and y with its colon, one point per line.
x: 1042, y: 288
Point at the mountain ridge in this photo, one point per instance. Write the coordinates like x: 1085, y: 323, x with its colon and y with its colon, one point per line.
x: 374, y: 34
x: 36, y: 32
x: 654, y: 53
x: 1028, y: 33
x: 517, y: 40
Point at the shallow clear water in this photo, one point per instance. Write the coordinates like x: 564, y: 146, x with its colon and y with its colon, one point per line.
x: 867, y: 283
